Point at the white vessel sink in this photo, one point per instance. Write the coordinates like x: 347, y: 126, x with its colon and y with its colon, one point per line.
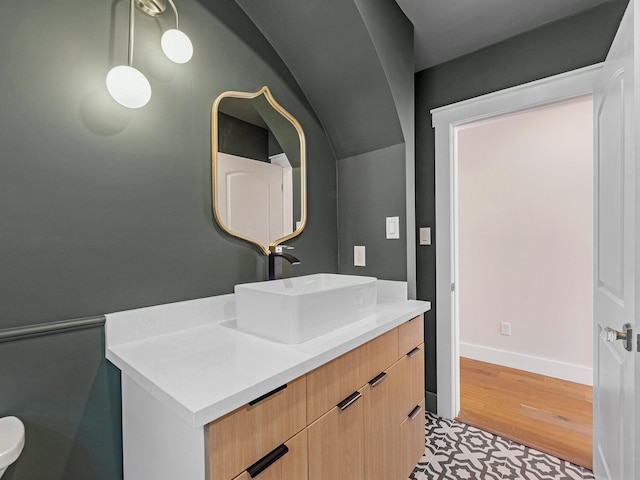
x: 298, y: 309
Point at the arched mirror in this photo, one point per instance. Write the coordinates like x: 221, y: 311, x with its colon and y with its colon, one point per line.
x: 258, y: 168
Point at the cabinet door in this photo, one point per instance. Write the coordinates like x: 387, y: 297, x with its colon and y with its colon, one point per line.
x: 336, y: 447
x: 411, y: 440
x: 382, y: 425
x: 287, y: 462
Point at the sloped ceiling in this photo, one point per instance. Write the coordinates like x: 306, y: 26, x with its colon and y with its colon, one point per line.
x: 447, y: 29
x: 328, y: 49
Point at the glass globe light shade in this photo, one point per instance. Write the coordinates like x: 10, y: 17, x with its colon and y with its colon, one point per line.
x: 176, y: 46
x: 128, y: 86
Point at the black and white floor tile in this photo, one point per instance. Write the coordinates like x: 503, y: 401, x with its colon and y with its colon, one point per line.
x: 456, y: 451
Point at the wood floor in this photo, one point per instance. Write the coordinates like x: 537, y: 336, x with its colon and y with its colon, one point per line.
x: 550, y: 415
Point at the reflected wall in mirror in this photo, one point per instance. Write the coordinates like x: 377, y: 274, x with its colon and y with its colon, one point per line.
x: 258, y: 168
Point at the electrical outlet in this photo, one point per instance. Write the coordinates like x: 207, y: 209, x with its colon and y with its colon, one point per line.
x: 505, y: 328
x: 359, y: 256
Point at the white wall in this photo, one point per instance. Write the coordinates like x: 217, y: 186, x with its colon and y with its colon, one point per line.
x: 525, y: 239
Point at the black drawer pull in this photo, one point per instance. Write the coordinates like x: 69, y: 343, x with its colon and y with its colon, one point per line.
x: 414, y: 413
x: 350, y: 400
x: 374, y: 382
x: 413, y: 352
x: 267, y: 395
x: 268, y: 460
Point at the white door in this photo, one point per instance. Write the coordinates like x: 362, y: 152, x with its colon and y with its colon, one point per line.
x: 250, y: 198
x: 616, y: 257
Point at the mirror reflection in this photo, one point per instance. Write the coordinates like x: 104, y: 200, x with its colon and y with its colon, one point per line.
x: 258, y: 156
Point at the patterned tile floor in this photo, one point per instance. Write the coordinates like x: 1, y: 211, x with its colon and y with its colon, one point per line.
x: 456, y: 451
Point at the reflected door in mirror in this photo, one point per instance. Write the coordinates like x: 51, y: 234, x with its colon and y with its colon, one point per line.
x: 255, y: 197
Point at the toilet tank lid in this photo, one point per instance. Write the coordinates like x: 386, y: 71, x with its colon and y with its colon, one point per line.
x: 11, y: 440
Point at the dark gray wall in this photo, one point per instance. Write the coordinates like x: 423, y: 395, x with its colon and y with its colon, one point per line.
x: 91, y: 190
x: 373, y: 185
x: 555, y: 48
x: 104, y: 208
x: 354, y: 60
x: 67, y: 395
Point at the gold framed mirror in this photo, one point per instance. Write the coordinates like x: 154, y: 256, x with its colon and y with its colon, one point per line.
x: 258, y: 156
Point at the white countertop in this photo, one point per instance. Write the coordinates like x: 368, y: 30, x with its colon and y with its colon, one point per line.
x: 190, y: 356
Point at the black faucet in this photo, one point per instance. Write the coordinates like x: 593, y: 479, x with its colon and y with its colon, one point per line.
x: 276, y: 255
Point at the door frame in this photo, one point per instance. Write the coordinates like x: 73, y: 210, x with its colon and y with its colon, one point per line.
x: 445, y: 121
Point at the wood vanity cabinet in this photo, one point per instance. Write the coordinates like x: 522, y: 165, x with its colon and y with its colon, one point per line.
x: 391, y: 399
x: 411, y: 400
x: 360, y: 416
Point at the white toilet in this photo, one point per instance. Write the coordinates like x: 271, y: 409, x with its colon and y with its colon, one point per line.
x: 11, y: 441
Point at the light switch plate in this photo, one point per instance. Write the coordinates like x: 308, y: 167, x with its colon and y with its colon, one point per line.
x: 393, y: 227
x: 425, y: 235
x: 359, y: 258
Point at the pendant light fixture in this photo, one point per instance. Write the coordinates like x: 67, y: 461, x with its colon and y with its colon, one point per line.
x: 175, y: 43
x: 127, y: 85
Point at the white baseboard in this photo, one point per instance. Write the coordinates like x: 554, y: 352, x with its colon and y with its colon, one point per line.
x: 542, y: 366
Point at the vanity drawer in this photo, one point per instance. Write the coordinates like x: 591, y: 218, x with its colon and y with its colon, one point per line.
x: 329, y: 384
x: 378, y: 355
x: 239, y: 439
x: 410, y: 335
x: 412, y: 440
x: 288, y: 461
x: 413, y: 388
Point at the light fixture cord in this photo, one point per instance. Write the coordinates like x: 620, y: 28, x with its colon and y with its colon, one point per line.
x: 175, y: 11
x: 132, y: 20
